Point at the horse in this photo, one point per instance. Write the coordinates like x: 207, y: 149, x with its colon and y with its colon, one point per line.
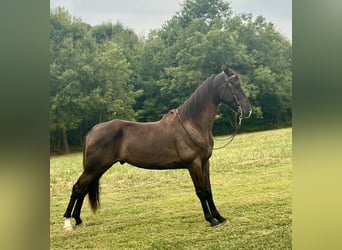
x: 181, y: 139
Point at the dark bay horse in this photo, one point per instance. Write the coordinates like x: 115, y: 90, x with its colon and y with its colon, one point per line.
x: 181, y: 139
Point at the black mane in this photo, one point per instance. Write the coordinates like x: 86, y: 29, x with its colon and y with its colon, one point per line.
x: 194, y: 105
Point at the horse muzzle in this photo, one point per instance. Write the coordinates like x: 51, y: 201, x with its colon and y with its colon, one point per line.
x: 244, y: 113
x: 249, y: 113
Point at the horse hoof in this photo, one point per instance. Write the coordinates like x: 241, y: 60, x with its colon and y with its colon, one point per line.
x: 214, y: 223
x: 224, y: 222
x: 67, y: 225
x: 68, y: 228
x: 80, y: 225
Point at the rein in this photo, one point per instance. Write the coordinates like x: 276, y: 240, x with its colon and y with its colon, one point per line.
x: 187, y: 132
x: 237, y: 125
x: 230, y: 138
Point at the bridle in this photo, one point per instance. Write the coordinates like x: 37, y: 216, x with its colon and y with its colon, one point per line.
x: 237, y: 125
x: 239, y: 115
x: 232, y: 89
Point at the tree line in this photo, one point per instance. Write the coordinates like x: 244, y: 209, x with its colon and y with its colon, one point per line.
x: 107, y: 71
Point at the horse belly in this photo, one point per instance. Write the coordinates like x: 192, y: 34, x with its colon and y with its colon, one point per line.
x: 151, y: 153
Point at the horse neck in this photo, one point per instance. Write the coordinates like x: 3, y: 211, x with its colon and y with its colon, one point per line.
x: 206, y: 118
x: 201, y: 107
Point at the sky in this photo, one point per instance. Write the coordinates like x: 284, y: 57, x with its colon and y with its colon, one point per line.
x: 145, y: 15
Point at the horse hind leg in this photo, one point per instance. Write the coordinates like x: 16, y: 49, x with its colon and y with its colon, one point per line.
x: 76, y: 214
x: 70, y: 207
x: 77, y: 210
x: 73, y: 199
x: 79, y: 191
x: 95, y: 163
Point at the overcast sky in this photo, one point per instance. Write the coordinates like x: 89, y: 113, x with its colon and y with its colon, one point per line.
x: 145, y: 15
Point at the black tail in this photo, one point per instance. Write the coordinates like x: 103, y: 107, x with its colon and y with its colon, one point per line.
x: 94, y: 195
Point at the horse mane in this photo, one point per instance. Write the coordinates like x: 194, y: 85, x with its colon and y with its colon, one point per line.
x: 194, y: 105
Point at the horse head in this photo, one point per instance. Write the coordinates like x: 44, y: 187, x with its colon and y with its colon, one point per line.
x: 230, y: 92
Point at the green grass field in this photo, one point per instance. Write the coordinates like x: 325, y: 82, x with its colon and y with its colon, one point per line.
x: 150, y: 209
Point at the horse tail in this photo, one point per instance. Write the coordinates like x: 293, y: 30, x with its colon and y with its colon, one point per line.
x: 93, y: 186
x: 96, y: 166
x: 94, y: 194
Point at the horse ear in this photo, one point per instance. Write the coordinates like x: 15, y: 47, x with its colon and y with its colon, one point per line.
x: 226, y: 69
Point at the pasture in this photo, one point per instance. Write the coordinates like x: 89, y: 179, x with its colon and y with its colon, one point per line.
x: 158, y: 209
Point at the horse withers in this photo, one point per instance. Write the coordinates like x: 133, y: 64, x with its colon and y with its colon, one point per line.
x: 183, y: 139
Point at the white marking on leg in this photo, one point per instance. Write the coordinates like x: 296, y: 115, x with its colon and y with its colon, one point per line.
x: 67, y: 224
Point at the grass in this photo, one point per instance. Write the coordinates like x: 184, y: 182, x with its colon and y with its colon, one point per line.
x: 149, y: 209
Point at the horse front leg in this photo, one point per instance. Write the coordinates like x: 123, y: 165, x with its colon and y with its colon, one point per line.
x: 199, y: 180
x: 209, y: 195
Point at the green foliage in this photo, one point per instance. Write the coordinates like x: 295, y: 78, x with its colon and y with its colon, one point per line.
x: 192, y: 46
x: 147, y: 209
x: 106, y: 71
x: 113, y: 94
x: 90, y: 79
x: 207, y: 10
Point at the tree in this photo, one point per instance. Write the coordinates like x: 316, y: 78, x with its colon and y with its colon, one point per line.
x: 68, y: 37
x: 90, y: 81
x: 270, y: 70
x: 113, y: 95
x: 104, y: 72
x: 192, y: 45
x: 208, y: 10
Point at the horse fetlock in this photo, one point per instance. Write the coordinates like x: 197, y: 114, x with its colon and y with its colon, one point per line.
x: 217, y: 216
x: 77, y: 219
x: 221, y: 219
